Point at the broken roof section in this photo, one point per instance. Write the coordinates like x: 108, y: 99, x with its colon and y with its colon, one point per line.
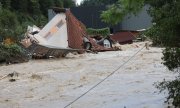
x: 75, y: 29
x: 123, y: 37
x: 63, y: 31
x: 55, y: 32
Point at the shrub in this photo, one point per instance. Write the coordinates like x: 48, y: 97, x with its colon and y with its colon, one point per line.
x: 171, y: 58
x: 173, y: 88
x: 12, y: 53
x: 103, y: 32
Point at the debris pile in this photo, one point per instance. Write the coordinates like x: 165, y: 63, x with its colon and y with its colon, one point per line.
x: 66, y: 34
x: 12, y: 76
x: 63, y: 34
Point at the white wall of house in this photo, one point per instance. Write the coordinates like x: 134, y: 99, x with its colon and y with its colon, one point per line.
x: 55, y: 32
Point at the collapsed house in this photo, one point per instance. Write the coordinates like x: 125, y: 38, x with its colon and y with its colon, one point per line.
x: 63, y: 34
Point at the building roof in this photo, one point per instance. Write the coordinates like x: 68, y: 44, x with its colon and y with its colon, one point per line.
x: 123, y: 37
x: 76, y: 31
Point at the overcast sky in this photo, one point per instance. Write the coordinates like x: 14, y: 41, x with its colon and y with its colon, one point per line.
x: 79, y: 1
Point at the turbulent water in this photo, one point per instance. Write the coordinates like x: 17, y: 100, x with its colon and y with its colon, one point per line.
x: 57, y: 82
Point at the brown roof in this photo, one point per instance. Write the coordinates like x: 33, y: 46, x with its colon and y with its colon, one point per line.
x: 76, y: 31
x: 123, y: 37
x: 135, y: 33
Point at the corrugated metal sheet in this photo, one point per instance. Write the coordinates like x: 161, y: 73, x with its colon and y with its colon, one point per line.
x: 135, y: 33
x: 123, y: 37
x: 76, y: 31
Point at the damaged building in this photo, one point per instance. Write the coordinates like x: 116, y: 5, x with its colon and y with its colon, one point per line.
x: 67, y: 33
x: 124, y: 32
x: 64, y: 33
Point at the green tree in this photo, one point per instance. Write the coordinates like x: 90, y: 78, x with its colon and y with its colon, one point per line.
x: 9, y: 25
x: 20, y: 5
x: 59, y: 3
x: 45, y: 5
x: 97, y: 2
x: 121, y: 8
x: 34, y: 8
x: 6, y: 3
x: 68, y: 3
x: 0, y: 6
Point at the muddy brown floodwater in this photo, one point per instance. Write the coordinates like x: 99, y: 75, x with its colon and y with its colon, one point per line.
x: 57, y: 82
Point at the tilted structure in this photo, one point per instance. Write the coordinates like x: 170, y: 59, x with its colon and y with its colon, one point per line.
x: 64, y: 33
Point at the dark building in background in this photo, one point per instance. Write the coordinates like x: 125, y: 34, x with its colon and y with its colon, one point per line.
x: 137, y: 22
x: 90, y: 16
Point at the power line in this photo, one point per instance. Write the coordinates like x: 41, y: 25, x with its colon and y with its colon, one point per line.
x: 104, y: 78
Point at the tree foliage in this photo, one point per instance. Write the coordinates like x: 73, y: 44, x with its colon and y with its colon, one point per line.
x: 9, y: 25
x: 97, y: 2
x: 16, y: 15
x: 68, y: 3
x: 173, y: 88
x: 121, y: 8
x: 8, y: 52
x: 102, y: 32
x: 171, y: 58
x: 166, y: 15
